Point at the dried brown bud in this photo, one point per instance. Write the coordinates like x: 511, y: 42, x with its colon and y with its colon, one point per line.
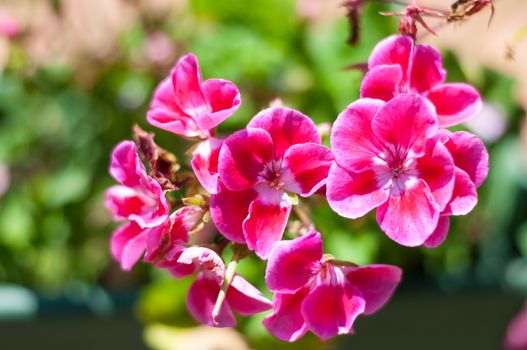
x: 163, y: 164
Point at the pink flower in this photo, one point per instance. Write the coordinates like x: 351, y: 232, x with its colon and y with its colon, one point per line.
x: 387, y: 158
x: 516, y: 337
x: 241, y: 296
x: 397, y: 65
x: 471, y: 168
x: 139, y: 198
x: 279, y: 151
x: 313, y: 294
x: 165, y: 242
x: 9, y: 25
x: 184, y: 105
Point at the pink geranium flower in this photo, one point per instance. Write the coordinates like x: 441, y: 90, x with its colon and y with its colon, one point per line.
x: 185, y: 105
x: 279, y: 151
x: 471, y: 168
x: 241, y: 296
x: 386, y: 157
x: 165, y: 242
x: 162, y: 243
x: 397, y: 65
x: 313, y: 294
x: 139, y: 198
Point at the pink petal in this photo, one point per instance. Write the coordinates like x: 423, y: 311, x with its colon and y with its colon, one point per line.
x: 126, y: 167
x: 470, y: 155
x: 201, y: 299
x: 128, y: 244
x: 353, y: 142
x: 440, y: 233
x: 165, y: 113
x: 286, y: 322
x: 245, y: 299
x: 330, y: 310
x: 243, y: 156
x: 147, y: 206
x: 194, y: 259
x: 464, y: 198
x: 293, y: 263
x: 381, y: 82
x: 223, y: 98
x: 352, y: 195
x: 266, y: 223
x: 229, y: 209
x: 164, y: 241
x: 179, y: 124
x: 287, y: 127
x: 124, y: 201
x: 410, y: 217
x: 455, y: 103
x: 395, y: 49
x: 436, y: 168
x: 376, y: 283
x: 186, y: 79
x: 143, y: 208
x: 205, y: 163
x: 405, y: 122
x: 426, y: 68
x: 309, y: 165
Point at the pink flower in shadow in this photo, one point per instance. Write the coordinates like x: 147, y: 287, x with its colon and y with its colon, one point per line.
x: 241, y: 296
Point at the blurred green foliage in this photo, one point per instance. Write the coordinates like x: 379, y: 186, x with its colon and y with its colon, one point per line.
x: 57, y: 129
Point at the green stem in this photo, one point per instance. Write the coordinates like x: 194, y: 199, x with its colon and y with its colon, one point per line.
x: 229, y: 275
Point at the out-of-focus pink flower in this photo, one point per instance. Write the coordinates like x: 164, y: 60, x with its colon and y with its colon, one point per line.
x: 489, y: 124
x: 139, y: 198
x: 516, y: 337
x: 398, y: 66
x: 9, y: 25
x: 386, y: 157
x: 471, y: 162
x: 279, y: 151
x: 4, y: 179
x: 241, y: 296
x: 313, y: 294
x: 159, y: 48
x: 187, y: 106
x: 205, y: 163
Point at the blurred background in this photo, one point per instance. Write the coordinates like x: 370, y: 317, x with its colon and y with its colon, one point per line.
x: 77, y: 74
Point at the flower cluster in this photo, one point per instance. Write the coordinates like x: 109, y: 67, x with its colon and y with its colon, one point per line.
x: 389, y: 150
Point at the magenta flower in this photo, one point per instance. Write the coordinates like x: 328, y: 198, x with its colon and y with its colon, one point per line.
x: 516, y: 336
x: 165, y: 242
x: 387, y: 158
x: 279, y: 151
x: 241, y: 296
x: 471, y: 162
x: 397, y: 65
x: 139, y: 198
x: 184, y: 105
x: 313, y: 294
